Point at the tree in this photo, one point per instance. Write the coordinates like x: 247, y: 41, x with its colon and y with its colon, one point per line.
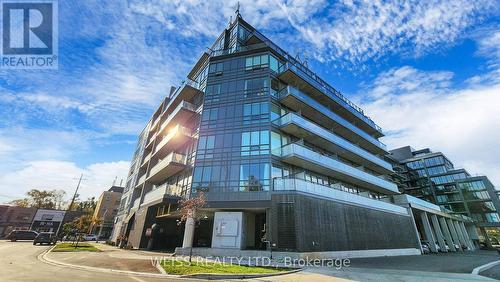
x: 24, y: 203
x: 191, y: 214
x: 87, y: 206
x: 42, y: 199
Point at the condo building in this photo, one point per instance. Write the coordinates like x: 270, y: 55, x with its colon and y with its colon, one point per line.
x: 105, y: 212
x: 432, y: 176
x: 286, y: 162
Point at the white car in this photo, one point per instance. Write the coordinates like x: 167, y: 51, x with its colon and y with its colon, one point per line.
x: 90, y: 237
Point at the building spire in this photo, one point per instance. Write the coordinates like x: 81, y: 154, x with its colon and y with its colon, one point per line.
x: 237, y: 12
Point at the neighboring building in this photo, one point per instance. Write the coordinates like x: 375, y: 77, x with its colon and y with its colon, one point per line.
x: 286, y: 162
x: 105, y: 211
x: 432, y: 176
x: 15, y: 218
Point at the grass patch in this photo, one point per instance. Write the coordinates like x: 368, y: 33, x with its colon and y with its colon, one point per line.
x: 183, y: 268
x: 70, y: 247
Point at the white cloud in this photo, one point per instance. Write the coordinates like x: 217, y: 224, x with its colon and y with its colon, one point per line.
x: 54, y: 174
x: 420, y: 109
x: 357, y: 31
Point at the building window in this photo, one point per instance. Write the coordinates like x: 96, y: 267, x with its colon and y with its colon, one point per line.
x: 255, y: 143
x: 256, y: 87
x: 254, y: 177
x: 206, y: 144
x: 472, y: 186
x: 210, y: 114
x: 216, y: 68
x: 492, y: 217
x: 273, y: 63
x: 255, y: 112
x: 257, y: 62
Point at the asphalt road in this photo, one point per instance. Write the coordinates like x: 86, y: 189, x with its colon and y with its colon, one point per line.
x: 18, y: 262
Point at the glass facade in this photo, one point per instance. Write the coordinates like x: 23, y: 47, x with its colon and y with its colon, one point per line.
x: 433, y: 178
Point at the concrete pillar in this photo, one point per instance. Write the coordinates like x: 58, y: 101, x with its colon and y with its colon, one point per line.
x: 428, y: 232
x: 447, y: 234
x: 467, y: 237
x: 473, y: 235
x: 460, y: 233
x: 188, y: 233
x: 454, y: 234
x: 439, y: 234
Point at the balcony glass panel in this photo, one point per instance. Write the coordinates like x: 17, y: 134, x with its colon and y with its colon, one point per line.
x: 294, y: 184
x: 353, y: 174
x: 328, y: 113
x: 331, y: 137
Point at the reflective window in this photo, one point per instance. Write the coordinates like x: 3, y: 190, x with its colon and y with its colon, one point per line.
x: 255, y: 143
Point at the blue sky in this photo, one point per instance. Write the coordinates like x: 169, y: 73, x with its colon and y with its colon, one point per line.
x: 428, y: 72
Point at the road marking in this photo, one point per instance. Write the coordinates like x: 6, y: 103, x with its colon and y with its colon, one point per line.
x: 485, y: 267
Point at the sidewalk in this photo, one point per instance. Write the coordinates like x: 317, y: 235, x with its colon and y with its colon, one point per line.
x: 110, y: 258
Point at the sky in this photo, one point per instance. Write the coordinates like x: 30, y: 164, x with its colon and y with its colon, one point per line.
x: 427, y: 72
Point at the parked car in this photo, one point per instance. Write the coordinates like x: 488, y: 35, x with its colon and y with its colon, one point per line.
x: 90, y: 237
x: 21, y: 235
x: 45, y: 238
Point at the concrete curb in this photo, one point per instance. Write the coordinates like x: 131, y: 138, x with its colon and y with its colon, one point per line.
x: 43, y: 258
x: 484, y: 267
x: 209, y: 276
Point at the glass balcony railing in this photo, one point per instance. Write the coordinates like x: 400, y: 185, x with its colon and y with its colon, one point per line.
x: 301, y: 185
x: 173, y: 133
x: 328, y: 90
x: 141, y: 179
x: 160, y: 192
x: 292, y: 118
x: 304, y: 98
x: 182, y: 106
x: 172, y: 159
x: 136, y: 204
x: 343, y: 170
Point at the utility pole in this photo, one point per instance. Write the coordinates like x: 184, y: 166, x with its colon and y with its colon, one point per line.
x: 76, y: 192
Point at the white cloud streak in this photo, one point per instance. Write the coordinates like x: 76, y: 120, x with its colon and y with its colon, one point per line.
x: 420, y: 109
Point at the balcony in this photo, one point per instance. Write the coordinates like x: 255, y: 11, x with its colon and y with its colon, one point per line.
x: 170, y: 165
x: 175, y: 138
x: 141, y: 180
x: 154, y: 124
x: 160, y: 192
x: 301, y: 156
x: 297, y: 74
x: 146, y: 159
x: 300, y: 185
x: 299, y: 101
x: 185, y: 92
x: 182, y: 113
x: 300, y: 127
x: 136, y: 204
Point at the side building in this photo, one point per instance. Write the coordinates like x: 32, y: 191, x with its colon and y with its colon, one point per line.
x: 432, y: 176
x: 105, y: 211
x: 286, y: 162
